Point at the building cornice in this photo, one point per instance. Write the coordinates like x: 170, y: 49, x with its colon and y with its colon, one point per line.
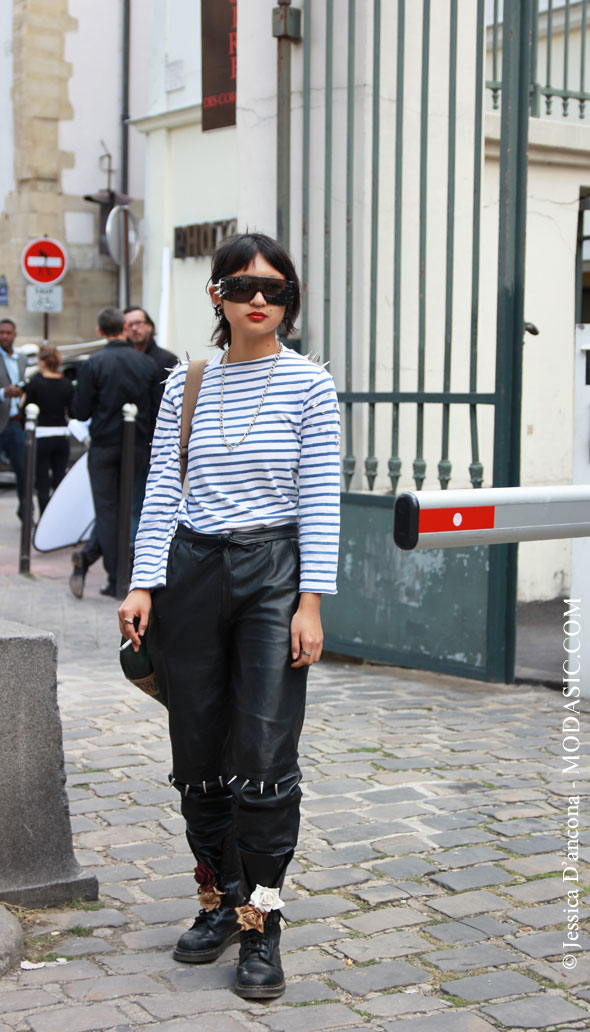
x: 551, y: 142
x: 175, y: 118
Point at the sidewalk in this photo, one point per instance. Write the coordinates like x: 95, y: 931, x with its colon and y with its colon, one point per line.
x: 426, y: 895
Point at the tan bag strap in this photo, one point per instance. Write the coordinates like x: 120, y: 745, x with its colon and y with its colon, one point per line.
x: 192, y: 386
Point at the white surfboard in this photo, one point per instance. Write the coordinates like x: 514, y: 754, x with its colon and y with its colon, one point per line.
x: 69, y: 515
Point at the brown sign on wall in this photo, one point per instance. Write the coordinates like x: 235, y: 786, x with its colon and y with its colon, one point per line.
x: 219, y: 49
x: 202, y: 238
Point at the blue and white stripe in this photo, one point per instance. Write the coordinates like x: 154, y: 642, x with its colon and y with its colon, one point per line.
x: 287, y: 470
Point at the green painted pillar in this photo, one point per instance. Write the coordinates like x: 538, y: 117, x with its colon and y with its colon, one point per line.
x: 516, y: 58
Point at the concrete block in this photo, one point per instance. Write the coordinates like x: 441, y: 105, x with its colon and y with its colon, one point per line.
x: 37, y: 863
x: 11, y: 941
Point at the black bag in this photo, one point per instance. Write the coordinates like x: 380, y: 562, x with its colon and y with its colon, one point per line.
x: 138, y: 667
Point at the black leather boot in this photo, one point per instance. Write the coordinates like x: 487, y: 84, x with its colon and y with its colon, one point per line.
x: 260, y: 974
x: 212, y: 932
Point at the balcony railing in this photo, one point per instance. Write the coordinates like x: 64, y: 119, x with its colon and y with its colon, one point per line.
x: 560, y: 42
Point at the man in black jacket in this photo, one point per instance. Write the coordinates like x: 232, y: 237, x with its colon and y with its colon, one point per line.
x: 140, y: 331
x: 116, y: 375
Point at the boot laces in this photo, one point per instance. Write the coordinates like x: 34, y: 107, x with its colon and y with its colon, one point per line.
x: 257, y: 942
x: 210, y: 918
x: 201, y: 918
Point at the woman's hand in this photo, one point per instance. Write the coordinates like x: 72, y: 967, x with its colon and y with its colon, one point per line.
x: 307, y: 636
x: 137, y: 604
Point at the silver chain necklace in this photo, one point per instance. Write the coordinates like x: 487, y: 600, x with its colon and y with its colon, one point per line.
x: 230, y: 447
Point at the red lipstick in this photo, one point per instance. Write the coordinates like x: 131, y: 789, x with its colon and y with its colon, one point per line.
x: 256, y: 316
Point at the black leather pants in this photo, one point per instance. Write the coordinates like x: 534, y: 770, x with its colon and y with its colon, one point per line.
x: 235, y: 704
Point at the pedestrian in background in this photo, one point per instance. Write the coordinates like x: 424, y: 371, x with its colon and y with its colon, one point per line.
x: 53, y: 393
x: 108, y: 380
x: 233, y: 576
x: 12, y: 432
x: 140, y: 330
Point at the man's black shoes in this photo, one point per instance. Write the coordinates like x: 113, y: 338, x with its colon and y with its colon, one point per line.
x: 78, y: 575
x: 109, y: 590
x: 211, y: 934
x: 80, y: 566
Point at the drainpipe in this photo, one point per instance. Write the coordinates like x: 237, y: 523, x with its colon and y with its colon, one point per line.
x: 286, y: 28
x: 125, y: 38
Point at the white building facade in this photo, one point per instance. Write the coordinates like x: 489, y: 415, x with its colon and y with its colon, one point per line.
x: 377, y: 340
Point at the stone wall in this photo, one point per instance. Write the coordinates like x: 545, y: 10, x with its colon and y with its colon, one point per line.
x: 37, y: 205
x: 37, y: 862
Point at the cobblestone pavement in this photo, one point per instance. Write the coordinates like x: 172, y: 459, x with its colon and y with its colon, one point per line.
x: 427, y: 893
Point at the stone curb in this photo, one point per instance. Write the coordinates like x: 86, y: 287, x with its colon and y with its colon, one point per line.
x: 11, y: 941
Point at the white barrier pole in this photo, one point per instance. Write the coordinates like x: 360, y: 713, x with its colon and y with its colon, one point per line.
x: 490, y: 516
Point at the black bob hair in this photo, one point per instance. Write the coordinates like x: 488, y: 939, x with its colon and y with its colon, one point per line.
x: 236, y: 253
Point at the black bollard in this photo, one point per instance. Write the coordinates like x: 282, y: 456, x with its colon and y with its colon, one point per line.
x: 26, y: 532
x: 126, y: 498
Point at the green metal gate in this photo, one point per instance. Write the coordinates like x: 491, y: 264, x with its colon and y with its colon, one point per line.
x: 384, y: 198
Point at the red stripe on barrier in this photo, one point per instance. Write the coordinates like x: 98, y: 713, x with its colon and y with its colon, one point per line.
x: 441, y: 521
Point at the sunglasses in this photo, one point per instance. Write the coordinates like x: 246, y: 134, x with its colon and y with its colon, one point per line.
x: 244, y: 288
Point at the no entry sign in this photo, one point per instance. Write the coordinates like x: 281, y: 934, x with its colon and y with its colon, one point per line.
x: 44, y: 261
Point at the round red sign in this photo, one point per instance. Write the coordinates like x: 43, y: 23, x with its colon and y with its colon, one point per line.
x: 44, y: 261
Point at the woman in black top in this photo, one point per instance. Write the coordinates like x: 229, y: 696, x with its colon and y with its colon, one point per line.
x: 53, y: 393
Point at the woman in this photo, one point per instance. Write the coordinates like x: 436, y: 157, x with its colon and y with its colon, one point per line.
x: 235, y: 607
x: 53, y: 393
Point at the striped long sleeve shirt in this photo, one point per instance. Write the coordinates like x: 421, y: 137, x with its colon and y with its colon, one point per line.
x: 286, y: 470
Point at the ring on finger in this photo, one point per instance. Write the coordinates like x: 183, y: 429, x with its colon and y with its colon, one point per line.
x: 127, y: 619
x: 304, y: 652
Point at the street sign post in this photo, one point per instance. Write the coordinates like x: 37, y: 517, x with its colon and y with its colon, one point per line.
x: 122, y: 235
x: 44, y: 263
x: 44, y: 299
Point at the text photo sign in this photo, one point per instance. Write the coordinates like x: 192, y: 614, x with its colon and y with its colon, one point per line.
x: 44, y: 261
x: 201, y: 239
x: 219, y: 62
